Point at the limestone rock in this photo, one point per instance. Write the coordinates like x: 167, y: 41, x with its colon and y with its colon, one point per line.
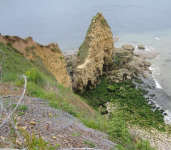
x: 95, y: 54
x: 146, y: 63
x: 141, y: 47
x: 128, y: 47
x: 145, y: 75
x: 128, y: 77
x: 51, y: 56
x: 122, y: 56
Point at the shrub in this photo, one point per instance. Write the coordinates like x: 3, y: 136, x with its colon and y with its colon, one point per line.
x: 8, y: 44
x: 27, y: 48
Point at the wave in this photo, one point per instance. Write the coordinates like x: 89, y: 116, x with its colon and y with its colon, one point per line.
x: 153, y: 69
x: 157, y: 38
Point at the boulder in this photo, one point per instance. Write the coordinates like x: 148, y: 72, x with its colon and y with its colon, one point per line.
x: 145, y: 75
x: 141, y: 47
x: 128, y: 78
x: 146, y: 63
x: 128, y: 47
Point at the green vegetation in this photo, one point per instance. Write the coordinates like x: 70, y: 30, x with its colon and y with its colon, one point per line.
x: 32, y: 47
x: 61, y: 57
x: 58, y: 97
x: 9, y: 44
x: 27, y: 49
x: 132, y: 101
x: 55, y: 49
x: 76, y: 134
x: 21, y: 107
x: 83, y: 49
x: 89, y: 143
x: 20, y: 113
x: 33, y: 142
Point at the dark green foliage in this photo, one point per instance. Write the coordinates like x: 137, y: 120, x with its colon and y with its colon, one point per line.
x: 61, y: 57
x: 111, y: 88
x: 131, y: 99
x: 138, y: 81
x: 97, y: 96
x: 9, y: 44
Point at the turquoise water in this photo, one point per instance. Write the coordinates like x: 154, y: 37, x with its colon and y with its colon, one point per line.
x: 66, y: 23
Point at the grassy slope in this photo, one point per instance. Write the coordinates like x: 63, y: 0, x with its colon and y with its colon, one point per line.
x: 60, y: 97
x: 15, y: 64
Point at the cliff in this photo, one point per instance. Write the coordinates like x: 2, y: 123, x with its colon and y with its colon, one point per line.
x: 51, y: 55
x: 94, y: 55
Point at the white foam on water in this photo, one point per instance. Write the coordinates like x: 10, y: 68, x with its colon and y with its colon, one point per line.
x: 153, y: 69
x: 167, y: 119
x: 157, y: 38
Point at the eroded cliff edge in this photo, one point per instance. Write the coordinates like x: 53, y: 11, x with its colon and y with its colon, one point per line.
x: 51, y: 55
x: 95, y: 52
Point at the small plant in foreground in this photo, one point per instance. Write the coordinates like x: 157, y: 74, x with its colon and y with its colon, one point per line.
x: 20, y: 113
x: 76, y: 134
x: 89, y: 143
x: 20, y: 107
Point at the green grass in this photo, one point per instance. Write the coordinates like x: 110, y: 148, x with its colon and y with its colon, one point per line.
x: 55, y: 49
x: 57, y: 95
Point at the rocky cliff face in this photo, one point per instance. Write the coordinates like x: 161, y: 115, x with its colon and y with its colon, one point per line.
x: 94, y: 55
x: 51, y: 55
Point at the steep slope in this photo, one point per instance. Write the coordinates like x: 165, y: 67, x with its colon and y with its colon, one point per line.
x: 95, y: 52
x: 51, y: 55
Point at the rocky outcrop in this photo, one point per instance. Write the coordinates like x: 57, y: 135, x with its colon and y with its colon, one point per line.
x: 122, y: 56
x: 51, y: 55
x: 141, y: 47
x: 94, y: 54
x: 127, y: 65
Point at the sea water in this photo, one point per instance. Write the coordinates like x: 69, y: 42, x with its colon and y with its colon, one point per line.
x: 66, y: 23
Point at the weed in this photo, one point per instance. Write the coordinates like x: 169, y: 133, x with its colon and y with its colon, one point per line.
x: 20, y: 113
x: 8, y: 44
x: 89, y: 143
x: 27, y: 49
x: 33, y: 47
x: 55, y: 49
x: 76, y: 134
x: 61, y: 57
x: 33, y: 53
